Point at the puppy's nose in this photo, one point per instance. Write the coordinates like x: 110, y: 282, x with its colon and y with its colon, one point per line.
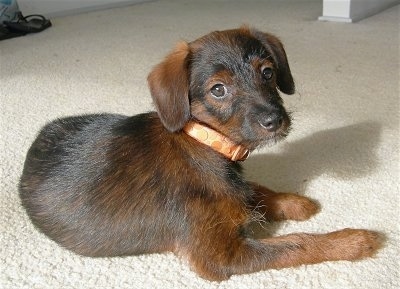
x: 272, y: 122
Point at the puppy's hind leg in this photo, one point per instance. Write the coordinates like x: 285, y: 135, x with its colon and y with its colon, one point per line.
x: 282, y: 206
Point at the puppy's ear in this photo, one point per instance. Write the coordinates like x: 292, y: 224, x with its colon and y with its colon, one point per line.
x: 169, y: 88
x: 272, y: 43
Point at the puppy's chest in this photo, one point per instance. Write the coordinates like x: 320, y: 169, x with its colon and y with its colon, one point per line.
x: 156, y: 160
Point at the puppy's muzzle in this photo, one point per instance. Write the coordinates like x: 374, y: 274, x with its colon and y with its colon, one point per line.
x: 271, y: 121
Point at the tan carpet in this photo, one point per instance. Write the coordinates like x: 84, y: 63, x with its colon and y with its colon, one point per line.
x: 343, y: 150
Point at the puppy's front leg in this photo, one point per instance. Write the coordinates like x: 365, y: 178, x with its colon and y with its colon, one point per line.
x: 229, y: 256
x: 282, y: 206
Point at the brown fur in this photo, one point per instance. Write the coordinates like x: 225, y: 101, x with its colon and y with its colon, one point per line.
x: 111, y: 185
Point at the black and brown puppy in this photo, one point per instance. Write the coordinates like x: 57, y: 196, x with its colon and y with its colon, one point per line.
x: 111, y: 185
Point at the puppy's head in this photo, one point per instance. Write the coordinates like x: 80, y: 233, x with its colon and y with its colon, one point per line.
x: 228, y: 80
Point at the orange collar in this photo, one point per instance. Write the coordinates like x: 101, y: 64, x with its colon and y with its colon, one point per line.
x: 216, y: 141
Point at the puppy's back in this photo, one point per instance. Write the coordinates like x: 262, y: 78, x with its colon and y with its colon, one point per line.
x: 87, y: 186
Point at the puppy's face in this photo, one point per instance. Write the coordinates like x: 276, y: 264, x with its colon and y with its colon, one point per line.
x: 230, y: 81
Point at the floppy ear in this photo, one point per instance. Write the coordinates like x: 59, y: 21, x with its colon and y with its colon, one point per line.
x: 169, y: 88
x: 272, y: 43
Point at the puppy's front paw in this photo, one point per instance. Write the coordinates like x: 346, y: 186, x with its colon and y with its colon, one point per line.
x: 353, y: 244
x: 289, y: 206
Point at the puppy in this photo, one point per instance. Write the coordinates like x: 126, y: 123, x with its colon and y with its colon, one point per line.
x: 112, y: 185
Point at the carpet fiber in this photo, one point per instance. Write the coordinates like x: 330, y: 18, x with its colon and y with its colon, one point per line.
x: 343, y: 150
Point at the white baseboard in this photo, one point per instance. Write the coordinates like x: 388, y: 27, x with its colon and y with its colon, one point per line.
x: 59, y: 8
x: 335, y: 19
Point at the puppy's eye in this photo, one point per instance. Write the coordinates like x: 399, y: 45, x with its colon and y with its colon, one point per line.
x: 218, y: 90
x: 267, y: 73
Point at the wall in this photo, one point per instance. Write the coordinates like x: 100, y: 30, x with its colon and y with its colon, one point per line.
x: 336, y: 8
x: 353, y: 10
x: 54, y: 8
x: 363, y: 8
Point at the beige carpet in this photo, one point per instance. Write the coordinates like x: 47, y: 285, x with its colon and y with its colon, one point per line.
x: 343, y: 150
